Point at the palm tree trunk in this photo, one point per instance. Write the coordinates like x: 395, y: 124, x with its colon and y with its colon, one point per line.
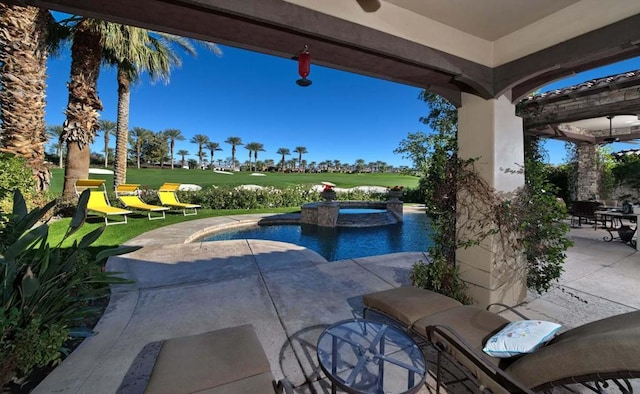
x: 138, y: 149
x: 23, y: 36
x: 172, y: 146
x: 82, y: 111
x: 122, y: 130
x: 106, y: 149
x: 60, y: 150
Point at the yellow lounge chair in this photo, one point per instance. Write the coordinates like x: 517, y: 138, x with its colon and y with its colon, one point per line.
x: 168, y: 197
x: 129, y: 195
x: 98, y: 201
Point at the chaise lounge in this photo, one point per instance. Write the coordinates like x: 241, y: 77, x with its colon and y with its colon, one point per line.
x: 591, y: 354
x: 129, y: 195
x: 98, y: 202
x: 168, y: 197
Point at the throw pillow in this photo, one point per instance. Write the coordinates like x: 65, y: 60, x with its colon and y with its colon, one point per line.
x: 520, y: 337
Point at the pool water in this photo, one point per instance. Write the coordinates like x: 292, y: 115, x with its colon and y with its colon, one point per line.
x: 342, y: 243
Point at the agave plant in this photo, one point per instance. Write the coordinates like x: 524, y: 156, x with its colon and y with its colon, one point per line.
x: 46, y: 290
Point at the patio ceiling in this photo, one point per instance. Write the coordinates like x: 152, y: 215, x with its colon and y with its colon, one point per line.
x: 580, y: 113
x: 483, y: 47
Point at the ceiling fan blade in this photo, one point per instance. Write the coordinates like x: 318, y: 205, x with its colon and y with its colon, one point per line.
x: 369, y: 5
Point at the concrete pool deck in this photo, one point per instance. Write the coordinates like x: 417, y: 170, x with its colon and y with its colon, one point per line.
x: 290, y: 294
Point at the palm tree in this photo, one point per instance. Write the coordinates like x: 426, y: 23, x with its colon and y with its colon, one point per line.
x: 201, y: 140
x: 254, y: 147
x: 300, y: 150
x: 173, y: 135
x: 55, y: 131
x: 27, y: 36
x: 108, y: 127
x: 183, y: 153
x: 233, y: 141
x: 213, y: 147
x: 139, y: 136
x: 135, y: 51
x: 284, y: 152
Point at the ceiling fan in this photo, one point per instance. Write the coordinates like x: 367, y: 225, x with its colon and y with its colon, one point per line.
x: 610, y: 139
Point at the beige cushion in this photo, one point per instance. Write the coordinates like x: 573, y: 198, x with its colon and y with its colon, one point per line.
x: 475, y: 326
x: 605, y: 346
x: 257, y: 384
x: 198, y: 362
x: 408, y: 304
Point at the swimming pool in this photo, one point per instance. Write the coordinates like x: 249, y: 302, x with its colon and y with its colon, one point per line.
x: 340, y: 243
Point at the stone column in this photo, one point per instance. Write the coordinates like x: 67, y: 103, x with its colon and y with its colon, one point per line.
x: 395, y: 208
x: 490, y: 131
x: 589, y: 176
x: 328, y: 214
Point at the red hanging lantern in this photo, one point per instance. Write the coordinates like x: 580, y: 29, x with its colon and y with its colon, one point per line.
x: 304, y: 67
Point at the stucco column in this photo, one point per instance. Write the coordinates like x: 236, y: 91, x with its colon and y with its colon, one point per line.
x: 490, y: 131
x: 589, y: 175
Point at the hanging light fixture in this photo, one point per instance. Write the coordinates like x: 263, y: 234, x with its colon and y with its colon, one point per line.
x: 304, y: 67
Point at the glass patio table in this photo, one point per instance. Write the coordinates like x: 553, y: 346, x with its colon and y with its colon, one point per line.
x: 363, y: 356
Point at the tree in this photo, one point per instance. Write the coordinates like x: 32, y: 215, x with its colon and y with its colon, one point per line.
x: 254, y: 147
x: 138, y: 137
x: 213, y: 147
x: 155, y: 148
x: 201, y: 140
x: 359, y: 165
x: 300, y: 150
x: 182, y: 154
x: 108, y: 128
x: 414, y: 148
x: 135, y: 51
x: 233, y: 141
x: 283, y: 152
x: 55, y: 131
x: 27, y: 36
x: 173, y: 135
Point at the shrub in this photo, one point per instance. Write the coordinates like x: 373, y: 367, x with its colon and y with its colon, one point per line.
x: 15, y: 174
x: 441, y: 277
x: 46, y: 290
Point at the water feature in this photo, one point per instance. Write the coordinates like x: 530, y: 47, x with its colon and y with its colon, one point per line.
x: 340, y: 243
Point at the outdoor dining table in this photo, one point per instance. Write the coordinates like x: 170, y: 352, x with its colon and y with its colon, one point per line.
x: 615, y: 218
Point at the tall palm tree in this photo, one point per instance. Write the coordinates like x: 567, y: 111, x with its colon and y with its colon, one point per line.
x: 283, y: 152
x: 135, y: 51
x: 27, y: 36
x: 254, y: 147
x: 213, y: 147
x: 173, y: 135
x: 139, y: 136
x: 55, y: 131
x: 300, y: 150
x: 182, y: 154
x: 201, y: 140
x: 84, y: 104
x: 233, y: 141
x: 108, y: 128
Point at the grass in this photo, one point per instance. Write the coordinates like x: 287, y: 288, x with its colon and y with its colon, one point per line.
x: 154, y: 177
x: 116, y: 235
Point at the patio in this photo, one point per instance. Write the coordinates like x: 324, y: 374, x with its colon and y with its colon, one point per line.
x: 290, y: 295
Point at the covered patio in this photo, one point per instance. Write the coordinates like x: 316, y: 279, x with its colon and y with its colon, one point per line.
x: 290, y: 295
x: 483, y: 56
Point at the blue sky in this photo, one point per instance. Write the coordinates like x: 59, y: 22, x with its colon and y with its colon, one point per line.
x: 342, y: 116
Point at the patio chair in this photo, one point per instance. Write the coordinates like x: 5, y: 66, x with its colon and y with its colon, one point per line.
x: 592, y: 354
x: 168, y: 197
x: 129, y: 195
x: 584, y: 211
x: 99, y: 202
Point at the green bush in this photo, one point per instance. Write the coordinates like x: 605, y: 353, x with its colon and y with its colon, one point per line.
x: 14, y: 174
x: 441, y: 277
x: 46, y: 291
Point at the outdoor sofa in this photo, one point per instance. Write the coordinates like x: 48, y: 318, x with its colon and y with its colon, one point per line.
x: 226, y: 361
x: 602, y: 352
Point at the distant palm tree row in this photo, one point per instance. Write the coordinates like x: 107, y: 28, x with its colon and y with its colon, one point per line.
x: 147, y: 146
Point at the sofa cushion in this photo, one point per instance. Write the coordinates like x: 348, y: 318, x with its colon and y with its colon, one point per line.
x: 408, y: 304
x: 198, y: 362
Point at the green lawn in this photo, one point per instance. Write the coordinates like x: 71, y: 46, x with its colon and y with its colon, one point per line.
x: 154, y: 177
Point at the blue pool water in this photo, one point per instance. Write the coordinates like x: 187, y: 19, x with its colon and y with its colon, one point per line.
x: 342, y: 243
